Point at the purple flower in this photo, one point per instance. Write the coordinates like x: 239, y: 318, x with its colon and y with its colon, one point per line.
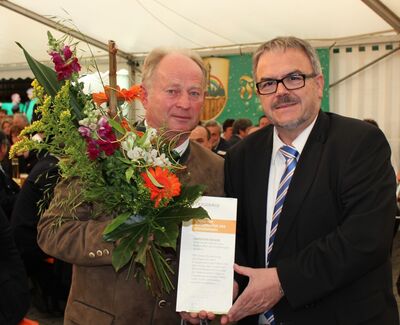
x: 84, y: 131
x: 75, y: 66
x: 108, y: 147
x: 104, y: 131
x: 67, y: 53
x: 64, y: 64
x: 92, y: 149
x: 102, y: 121
x: 56, y: 58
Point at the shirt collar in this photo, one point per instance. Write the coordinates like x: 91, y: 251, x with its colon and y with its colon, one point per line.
x: 298, y: 143
x: 179, y: 149
x: 182, y: 147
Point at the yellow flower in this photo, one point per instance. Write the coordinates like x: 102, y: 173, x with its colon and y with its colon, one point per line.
x: 44, y: 109
x: 65, y: 115
x: 20, y: 146
x: 38, y: 90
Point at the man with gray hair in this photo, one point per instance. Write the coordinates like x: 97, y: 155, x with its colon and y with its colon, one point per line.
x: 174, y: 89
x: 219, y: 144
x: 316, y: 204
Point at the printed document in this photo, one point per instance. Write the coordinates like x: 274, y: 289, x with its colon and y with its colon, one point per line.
x: 207, y: 253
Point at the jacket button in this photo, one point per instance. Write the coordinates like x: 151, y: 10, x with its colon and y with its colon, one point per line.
x: 92, y: 255
x: 162, y: 303
x: 99, y: 253
x: 106, y: 252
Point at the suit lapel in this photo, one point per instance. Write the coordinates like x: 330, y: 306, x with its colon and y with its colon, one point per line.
x: 259, y: 161
x: 302, y: 180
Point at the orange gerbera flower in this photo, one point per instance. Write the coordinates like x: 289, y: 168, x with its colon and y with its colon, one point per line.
x: 135, y: 92
x: 99, y: 98
x: 162, y: 184
x: 128, y: 95
x: 125, y: 124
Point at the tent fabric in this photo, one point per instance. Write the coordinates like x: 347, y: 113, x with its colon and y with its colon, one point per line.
x: 226, y: 27
x: 371, y: 94
x: 140, y: 25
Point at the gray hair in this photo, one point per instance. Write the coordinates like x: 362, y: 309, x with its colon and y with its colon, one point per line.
x: 155, y: 56
x: 284, y: 43
x: 212, y: 123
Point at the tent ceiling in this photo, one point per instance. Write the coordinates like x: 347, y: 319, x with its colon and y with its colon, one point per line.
x: 140, y: 25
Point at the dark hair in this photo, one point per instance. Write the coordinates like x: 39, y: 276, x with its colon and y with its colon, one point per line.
x: 261, y: 117
x: 241, y: 125
x: 16, y: 130
x: 371, y: 121
x: 227, y: 124
x: 3, y: 138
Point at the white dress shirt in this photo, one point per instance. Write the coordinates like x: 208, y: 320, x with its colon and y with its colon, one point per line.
x: 277, y: 168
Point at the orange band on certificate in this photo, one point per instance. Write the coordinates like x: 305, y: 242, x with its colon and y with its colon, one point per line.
x: 214, y: 225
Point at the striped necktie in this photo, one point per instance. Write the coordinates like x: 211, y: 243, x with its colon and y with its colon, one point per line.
x: 290, y: 154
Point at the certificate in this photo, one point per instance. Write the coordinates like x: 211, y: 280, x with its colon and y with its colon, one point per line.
x: 207, y: 252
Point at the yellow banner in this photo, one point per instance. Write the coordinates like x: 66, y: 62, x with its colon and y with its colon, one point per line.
x: 217, y: 87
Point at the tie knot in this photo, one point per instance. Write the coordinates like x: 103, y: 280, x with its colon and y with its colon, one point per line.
x: 289, y: 152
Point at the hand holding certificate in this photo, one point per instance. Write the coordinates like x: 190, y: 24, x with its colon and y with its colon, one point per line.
x: 207, y: 254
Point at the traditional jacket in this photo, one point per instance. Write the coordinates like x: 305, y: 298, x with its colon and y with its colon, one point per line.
x: 99, y: 295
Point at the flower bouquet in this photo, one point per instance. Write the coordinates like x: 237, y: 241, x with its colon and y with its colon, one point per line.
x: 131, y: 175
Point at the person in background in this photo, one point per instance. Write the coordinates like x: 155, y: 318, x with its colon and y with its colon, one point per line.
x: 50, y: 278
x: 3, y: 113
x: 263, y: 121
x: 174, y: 84
x: 240, y: 130
x: 253, y: 129
x: 30, y: 105
x: 14, y: 289
x: 26, y: 160
x: 15, y: 102
x: 201, y: 135
x: 397, y: 217
x: 6, y: 124
x: 227, y: 128
x: 316, y: 204
x: 20, y: 120
x: 8, y: 188
x: 15, y: 131
x: 219, y: 144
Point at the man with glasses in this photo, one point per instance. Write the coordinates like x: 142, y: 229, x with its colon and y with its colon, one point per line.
x: 316, y: 204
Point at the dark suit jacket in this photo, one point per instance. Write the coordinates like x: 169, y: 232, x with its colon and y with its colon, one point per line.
x: 25, y: 216
x: 332, y: 245
x: 14, y: 291
x: 221, y: 148
x: 234, y: 140
x: 8, y: 193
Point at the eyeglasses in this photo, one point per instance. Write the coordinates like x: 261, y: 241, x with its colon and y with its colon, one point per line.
x: 291, y: 82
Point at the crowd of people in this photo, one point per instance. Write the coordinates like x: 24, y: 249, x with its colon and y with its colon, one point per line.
x: 219, y: 138
x: 316, y: 203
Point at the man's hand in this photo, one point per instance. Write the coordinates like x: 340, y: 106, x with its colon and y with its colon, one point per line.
x: 194, y: 318
x: 261, y: 294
